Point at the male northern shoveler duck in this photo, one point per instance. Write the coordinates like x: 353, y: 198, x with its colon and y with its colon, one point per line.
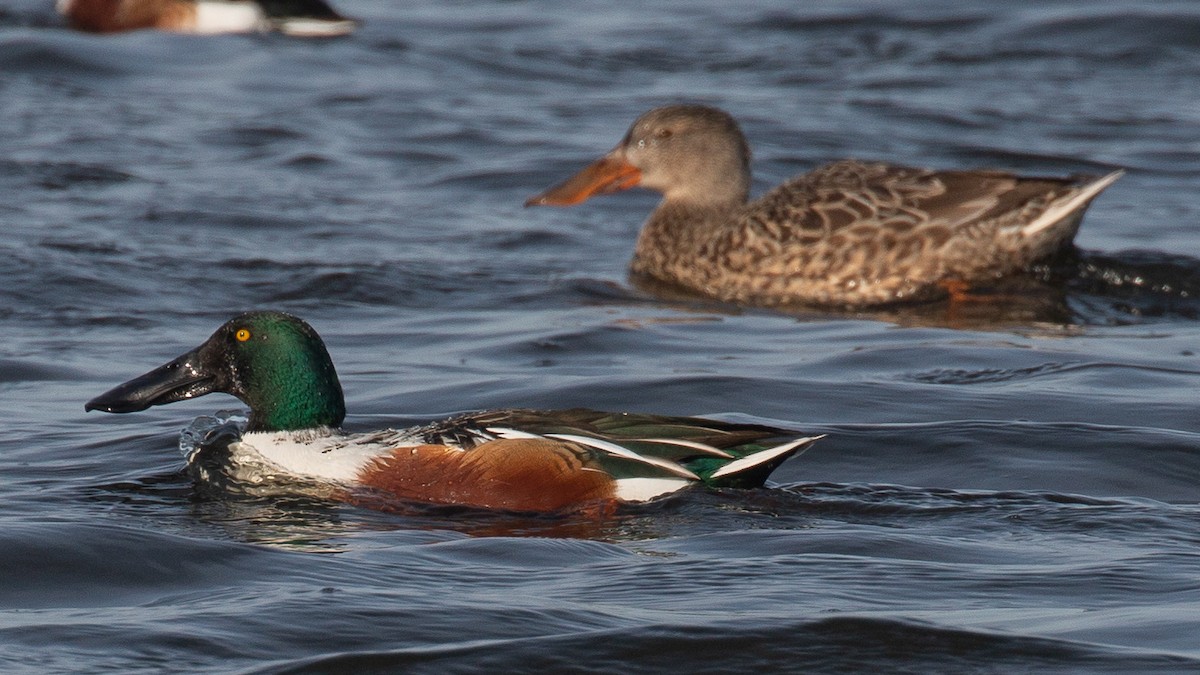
x: 302, y: 18
x: 515, y: 460
x: 850, y: 234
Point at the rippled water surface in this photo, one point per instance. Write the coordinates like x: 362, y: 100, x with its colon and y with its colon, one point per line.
x: 1010, y: 487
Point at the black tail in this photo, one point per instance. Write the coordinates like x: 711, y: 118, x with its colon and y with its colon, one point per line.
x: 299, y: 9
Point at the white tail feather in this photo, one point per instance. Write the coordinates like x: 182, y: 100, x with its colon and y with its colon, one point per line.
x: 305, y: 27
x: 1059, y: 211
x: 764, y: 456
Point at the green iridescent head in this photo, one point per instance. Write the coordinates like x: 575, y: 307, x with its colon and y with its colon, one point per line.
x: 273, y: 362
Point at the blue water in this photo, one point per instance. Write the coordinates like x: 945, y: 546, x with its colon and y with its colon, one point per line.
x: 1006, y: 488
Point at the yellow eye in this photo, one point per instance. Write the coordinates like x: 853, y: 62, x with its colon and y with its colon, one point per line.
x: 242, y: 335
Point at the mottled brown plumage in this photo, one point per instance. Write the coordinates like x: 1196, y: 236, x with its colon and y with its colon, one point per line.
x: 848, y: 234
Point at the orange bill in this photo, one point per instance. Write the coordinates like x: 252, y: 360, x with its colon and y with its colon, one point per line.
x: 604, y: 176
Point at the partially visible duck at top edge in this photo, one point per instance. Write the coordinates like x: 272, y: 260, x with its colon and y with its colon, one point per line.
x: 513, y: 460
x: 300, y: 18
x: 850, y: 234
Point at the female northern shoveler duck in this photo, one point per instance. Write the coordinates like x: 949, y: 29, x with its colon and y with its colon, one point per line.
x: 847, y: 234
x: 516, y: 460
x: 303, y: 18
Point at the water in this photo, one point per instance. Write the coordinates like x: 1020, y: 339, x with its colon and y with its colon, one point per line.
x: 1007, y: 488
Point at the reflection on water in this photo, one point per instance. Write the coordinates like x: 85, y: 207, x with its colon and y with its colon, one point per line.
x: 1084, y: 289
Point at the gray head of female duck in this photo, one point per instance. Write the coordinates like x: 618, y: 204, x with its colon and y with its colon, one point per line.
x: 692, y: 154
x: 273, y: 362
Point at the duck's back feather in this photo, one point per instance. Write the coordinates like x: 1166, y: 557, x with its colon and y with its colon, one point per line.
x: 868, y: 233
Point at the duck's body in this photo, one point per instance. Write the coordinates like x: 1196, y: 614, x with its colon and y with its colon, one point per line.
x: 303, y: 18
x: 847, y: 234
x: 518, y: 460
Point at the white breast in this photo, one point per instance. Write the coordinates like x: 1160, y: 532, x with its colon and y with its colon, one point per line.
x: 319, y: 456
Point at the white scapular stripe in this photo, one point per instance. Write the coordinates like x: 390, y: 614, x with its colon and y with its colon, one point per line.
x: 502, y: 432
x: 614, y: 449
x: 695, y: 445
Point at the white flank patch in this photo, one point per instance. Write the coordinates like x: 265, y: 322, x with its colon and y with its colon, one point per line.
x: 645, y: 489
x: 1059, y: 211
x: 335, y: 458
x: 228, y: 17
x: 764, y: 456
x: 614, y: 449
x: 63, y: 6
